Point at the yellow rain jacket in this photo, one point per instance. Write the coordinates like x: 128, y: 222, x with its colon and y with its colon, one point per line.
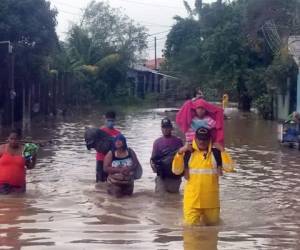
x: 202, y: 188
x: 225, y: 101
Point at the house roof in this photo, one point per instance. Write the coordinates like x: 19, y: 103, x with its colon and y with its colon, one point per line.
x: 151, y: 63
x: 142, y: 68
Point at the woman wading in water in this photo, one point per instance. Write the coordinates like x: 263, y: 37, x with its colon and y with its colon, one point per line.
x: 122, y: 167
x: 13, y: 164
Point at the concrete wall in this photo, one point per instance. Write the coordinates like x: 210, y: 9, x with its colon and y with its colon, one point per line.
x: 283, y: 106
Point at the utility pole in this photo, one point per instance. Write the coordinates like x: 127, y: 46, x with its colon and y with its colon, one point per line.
x: 155, y: 53
x: 11, y: 83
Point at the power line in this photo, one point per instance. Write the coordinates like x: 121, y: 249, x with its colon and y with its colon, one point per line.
x: 65, y: 4
x: 155, y: 24
x: 158, y: 39
x: 127, y: 1
x: 80, y: 8
x: 158, y: 45
x: 161, y: 47
x: 68, y: 12
x: 147, y: 24
x: 150, y: 4
x: 158, y: 33
x: 161, y: 40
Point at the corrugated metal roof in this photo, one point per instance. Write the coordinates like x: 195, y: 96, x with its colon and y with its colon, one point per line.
x: 151, y: 63
x: 142, y: 68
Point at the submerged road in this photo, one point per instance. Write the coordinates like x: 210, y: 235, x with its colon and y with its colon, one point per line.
x: 64, y: 209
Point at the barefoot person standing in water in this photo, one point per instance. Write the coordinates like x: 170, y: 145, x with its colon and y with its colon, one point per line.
x: 13, y: 164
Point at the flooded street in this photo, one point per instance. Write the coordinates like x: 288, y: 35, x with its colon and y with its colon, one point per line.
x: 64, y: 209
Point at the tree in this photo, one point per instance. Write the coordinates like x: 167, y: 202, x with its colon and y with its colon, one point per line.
x: 224, y: 48
x: 110, y: 28
x: 30, y: 26
x: 101, y: 49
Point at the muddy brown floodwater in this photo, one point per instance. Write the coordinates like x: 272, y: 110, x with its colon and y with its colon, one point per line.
x: 64, y: 209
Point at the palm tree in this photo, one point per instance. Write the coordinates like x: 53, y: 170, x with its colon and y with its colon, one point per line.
x: 86, y: 62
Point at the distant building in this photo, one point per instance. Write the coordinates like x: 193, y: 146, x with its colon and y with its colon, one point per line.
x: 151, y: 63
x: 144, y: 80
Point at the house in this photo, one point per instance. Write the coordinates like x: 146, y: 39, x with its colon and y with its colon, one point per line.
x: 144, y: 80
x: 151, y: 63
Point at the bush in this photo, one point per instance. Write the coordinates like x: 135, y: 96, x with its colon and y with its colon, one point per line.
x: 264, y: 106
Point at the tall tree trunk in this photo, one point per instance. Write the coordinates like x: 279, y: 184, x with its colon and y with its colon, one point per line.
x: 244, y: 103
x: 244, y: 99
x: 54, y: 95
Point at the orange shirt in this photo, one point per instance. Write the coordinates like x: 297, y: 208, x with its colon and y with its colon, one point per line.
x: 12, y: 169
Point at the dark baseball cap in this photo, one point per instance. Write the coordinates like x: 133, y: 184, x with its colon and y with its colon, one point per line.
x: 203, y: 134
x: 166, y: 123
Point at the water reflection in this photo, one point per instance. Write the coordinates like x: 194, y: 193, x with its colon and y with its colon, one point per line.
x: 205, y: 238
x: 15, y: 211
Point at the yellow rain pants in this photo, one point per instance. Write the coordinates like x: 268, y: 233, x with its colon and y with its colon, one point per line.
x: 201, y: 193
x: 225, y: 101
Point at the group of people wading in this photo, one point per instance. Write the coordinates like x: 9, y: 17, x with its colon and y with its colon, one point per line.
x: 200, y: 160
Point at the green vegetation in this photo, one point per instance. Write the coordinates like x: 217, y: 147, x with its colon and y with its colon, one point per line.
x: 238, y: 47
x: 49, y: 75
x: 99, y: 51
x: 227, y: 46
x: 30, y: 27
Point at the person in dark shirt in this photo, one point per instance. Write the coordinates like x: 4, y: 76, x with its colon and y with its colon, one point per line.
x: 164, y: 150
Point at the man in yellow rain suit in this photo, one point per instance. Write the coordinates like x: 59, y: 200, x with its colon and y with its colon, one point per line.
x: 201, y: 203
x: 225, y: 101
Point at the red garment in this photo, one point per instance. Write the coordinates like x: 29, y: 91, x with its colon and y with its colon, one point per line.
x: 12, y: 170
x: 184, y: 116
x: 187, y: 113
x: 112, y: 132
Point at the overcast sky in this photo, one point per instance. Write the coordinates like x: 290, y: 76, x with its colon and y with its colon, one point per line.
x: 156, y: 15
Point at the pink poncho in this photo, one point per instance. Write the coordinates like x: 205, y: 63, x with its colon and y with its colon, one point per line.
x: 187, y: 112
